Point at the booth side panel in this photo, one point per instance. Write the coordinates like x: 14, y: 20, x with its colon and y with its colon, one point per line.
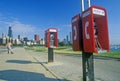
x: 103, y: 35
x: 56, y: 39
x: 88, y: 33
x: 76, y: 33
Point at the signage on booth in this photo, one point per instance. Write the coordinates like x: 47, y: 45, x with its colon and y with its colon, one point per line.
x: 98, y: 11
x: 52, y: 30
x: 86, y: 14
x: 74, y: 20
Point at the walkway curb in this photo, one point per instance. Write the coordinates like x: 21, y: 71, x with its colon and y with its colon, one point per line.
x: 47, y: 69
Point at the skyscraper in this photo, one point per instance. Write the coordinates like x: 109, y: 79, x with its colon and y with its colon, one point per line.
x: 3, y: 35
x: 70, y: 38
x: 37, y: 38
x: 19, y: 37
x: 10, y: 32
x: 67, y: 40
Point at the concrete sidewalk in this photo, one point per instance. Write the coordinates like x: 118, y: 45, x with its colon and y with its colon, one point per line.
x: 21, y: 66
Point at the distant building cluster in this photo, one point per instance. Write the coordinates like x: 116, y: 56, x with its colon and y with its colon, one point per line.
x: 20, y: 40
x: 25, y: 41
x: 68, y: 39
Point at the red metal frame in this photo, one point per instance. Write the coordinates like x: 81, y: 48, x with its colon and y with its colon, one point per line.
x: 76, y: 33
x: 95, y: 29
x: 54, y: 31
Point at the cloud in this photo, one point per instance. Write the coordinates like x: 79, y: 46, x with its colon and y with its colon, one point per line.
x: 64, y: 27
x: 67, y: 25
x: 63, y: 31
x: 24, y: 29
x: 19, y: 28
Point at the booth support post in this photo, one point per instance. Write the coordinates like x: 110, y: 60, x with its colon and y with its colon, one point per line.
x: 87, y: 58
x: 50, y: 55
x: 88, y: 66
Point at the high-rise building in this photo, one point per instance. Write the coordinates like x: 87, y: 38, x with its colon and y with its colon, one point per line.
x: 42, y: 42
x: 70, y: 38
x: 25, y: 39
x: 0, y: 41
x: 19, y: 37
x: 3, y: 35
x: 10, y: 32
x: 37, y: 38
x: 67, y: 41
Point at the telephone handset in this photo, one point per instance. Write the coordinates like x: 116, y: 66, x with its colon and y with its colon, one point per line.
x: 52, y: 39
x: 75, y: 35
x: 86, y: 33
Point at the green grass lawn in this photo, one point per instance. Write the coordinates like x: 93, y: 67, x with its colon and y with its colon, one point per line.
x: 68, y: 50
x: 111, y: 54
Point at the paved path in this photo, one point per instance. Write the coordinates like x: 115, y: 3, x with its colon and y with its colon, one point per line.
x: 21, y: 66
x: 27, y: 65
x: 70, y: 67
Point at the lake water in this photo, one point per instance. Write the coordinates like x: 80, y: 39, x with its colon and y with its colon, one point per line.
x: 115, y: 48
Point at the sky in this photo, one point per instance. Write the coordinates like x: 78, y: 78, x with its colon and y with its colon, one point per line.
x: 29, y: 17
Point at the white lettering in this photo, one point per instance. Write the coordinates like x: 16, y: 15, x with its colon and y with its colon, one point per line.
x: 86, y: 14
x: 98, y: 11
x: 53, y: 30
x: 74, y: 20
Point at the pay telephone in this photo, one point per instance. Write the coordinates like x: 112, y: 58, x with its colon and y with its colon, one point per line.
x: 51, y: 38
x: 95, y: 30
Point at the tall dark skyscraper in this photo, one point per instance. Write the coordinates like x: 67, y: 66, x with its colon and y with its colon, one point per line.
x: 10, y: 32
x: 67, y: 39
x: 19, y: 37
x: 70, y: 38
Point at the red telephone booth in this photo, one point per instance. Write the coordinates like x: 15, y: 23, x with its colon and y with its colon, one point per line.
x: 95, y: 30
x: 76, y: 33
x: 51, y: 38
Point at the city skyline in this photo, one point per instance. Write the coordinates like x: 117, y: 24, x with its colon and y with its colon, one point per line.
x: 5, y: 38
x: 36, y: 37
x: 35, y: 16
x: 10, y: 34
